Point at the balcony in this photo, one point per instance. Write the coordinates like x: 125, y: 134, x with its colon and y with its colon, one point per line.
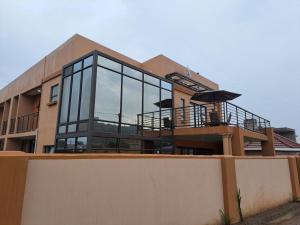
x: 204, y: 115
x: 27, y: 123
x: 4, y: 128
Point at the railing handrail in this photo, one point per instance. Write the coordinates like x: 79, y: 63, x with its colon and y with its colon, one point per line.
x: 200, y: 115
x: 29, y: 127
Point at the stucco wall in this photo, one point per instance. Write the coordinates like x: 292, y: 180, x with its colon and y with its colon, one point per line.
x: 123, y: 191
x: 264, y: 183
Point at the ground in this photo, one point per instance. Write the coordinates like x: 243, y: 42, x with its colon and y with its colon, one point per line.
x: 285, y: 215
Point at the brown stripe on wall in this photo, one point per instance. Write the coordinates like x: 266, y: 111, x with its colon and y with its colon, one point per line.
x: 13, y: 170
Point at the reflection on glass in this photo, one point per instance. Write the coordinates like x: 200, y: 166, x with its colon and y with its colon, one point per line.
x: 129, y: 129
x: 108, y: 88
x: 151, y: 80
x: 104, y: 143
x: 75, y: 97
x: 81, y: 143
x: 72, y: 128
x: 77, y: 66
x: 151, y: 97
x: 85, y: 94
x: 151, y: 115
x: 60, y: 144
x: 132, y: 100
x: 88, y: 61
x: 132, y: 72
x: 82, y: 126
x: 130, y: 144
x: 109, y: 64
x: 62, y: 129
x: 166, y: 85
x: 65, y: 100
x: 71, y: 143
x: 68, y: 71
x: 106, y: 127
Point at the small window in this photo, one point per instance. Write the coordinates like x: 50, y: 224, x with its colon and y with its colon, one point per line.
x: 54, y: 93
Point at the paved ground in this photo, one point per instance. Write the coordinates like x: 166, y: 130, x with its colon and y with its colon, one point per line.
x: 285, y: 215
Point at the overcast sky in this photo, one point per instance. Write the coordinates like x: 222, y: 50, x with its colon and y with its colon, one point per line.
x: 246, y: 46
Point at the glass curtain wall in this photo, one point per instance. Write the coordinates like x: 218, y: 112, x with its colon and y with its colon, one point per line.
x: 132, y: 110
x: 74, y: 106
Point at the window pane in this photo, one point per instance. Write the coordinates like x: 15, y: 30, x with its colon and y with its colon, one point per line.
x: 104, y: 143
x: 62, y: 129
x: 127, y: 129
x: 166, y: 105
x: 151, y: 98
x: 72, y: 128
x: 75, y: 97
x: 88, y: 61
x: 166, y: 85
x: 132, y: 72
x: 85, y: 94
x: 60, y: 144
x: 109, y: 64
x: 106, y: 127
x: 151, y: 103
x: 71, y: 143
x: 65, y: 100
x: 132, y: 100
x: 54, y: 90
x: 150, y: 79
x: 83, y: 127
x: 130, y: 144
x: 81, y: 143
x: 68, y: 71
x: 77, y: 66
x: 108, y: 87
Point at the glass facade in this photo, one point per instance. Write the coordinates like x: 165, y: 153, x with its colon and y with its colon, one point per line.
x: 110, y: 106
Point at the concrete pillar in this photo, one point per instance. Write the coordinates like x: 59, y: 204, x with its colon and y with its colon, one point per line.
x: 268, y: 148
x: 238, y: 148
x: 230, y: 188
x: 294, y: 177
x: 227, y: 148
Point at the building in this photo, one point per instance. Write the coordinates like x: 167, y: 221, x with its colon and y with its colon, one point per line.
x: 286, y: 132
x: 84, y: 97
x: 283, y: 146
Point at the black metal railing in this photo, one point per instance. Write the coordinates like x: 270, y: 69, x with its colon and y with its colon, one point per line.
x: 27, y: 123
x: 12, y: 125
x: 225, y: 113
x: 4, y: 128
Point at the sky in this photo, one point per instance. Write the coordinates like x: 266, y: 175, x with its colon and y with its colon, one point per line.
x: 250, y: 47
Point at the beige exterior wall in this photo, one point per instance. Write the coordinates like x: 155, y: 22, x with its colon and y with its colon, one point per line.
x: 47, y: 116
x: 123, y: 191
x: 264, y: 183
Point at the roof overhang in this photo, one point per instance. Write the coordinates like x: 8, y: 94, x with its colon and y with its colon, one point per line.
x: 186, y: 82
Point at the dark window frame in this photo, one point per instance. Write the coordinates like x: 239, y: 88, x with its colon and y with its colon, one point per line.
x: 90, y: 122
x: 54, y: 97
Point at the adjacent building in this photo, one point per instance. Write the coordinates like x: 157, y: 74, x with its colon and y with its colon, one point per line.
x: 84, y: 97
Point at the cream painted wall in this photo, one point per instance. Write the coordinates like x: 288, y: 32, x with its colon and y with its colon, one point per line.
x: 123, y: 191
x: 264, y: 183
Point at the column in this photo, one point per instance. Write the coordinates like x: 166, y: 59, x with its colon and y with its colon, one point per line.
x: 268, y: 148
x: 227, y: 148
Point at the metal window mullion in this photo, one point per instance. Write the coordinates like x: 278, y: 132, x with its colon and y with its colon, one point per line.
x: 93, y: 86
x: 69, y: 103
x: 79, y: 100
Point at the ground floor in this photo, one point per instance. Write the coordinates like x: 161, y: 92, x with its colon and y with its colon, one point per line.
x: 220, y: 140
